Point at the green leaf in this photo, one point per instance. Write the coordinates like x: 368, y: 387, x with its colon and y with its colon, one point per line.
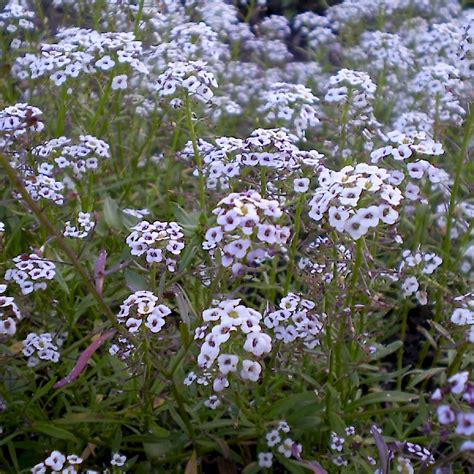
x: 112, y: 213
x: 135, y: 280
x: 292, y: 402
x: 394, y: 396
x: 382, y: 351
x: 54, y: 431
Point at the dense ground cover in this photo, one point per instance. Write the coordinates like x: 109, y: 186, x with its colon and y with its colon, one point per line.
x: 233, y: 241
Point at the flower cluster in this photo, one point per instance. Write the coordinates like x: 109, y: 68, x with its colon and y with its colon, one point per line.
x: 81, y: 51
x: 83, y: 228
x: 278, y: 439
x: 159, y: 241
x: 247, y: 230
x: 141, y: 307
x: 15, y: 18
x: 190, y: 77
x: 454, y: 402
x: 291, y: 105
x: 295, y: 319
x: 62, y: 155
x: 17, y: 119
x: 58, y: 462
x: 272, y: 150
x: 355, y: 199
x: 463, y: 315
x: 228, y: 323
x: 412, y: 266
x: 40, y: 347
x: 31, y: 272
x: 9, y: 313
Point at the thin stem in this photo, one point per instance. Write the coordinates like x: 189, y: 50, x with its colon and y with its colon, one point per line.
x: 294, y: 243
x: 197, y: 156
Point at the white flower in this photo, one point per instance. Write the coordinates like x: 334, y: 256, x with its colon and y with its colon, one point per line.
x: 286, y: 448
x: 55, y: 460
x: 118, y: 459
x: 355, y: 228
x: 227, y: 363
x: 410, y: 286
x: 445, y: 415
x: 119, y: 82
x: 265, y: 459
x: 105, y: 63
x: 301, y: 185
x: 250, y: 370
x: 273, y: 438
x: 458, y: 382
x: 258, y: 343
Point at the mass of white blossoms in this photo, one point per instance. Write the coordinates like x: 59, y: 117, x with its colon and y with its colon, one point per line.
x: 295, y: 320
x: 247, y: 230
x: 38, y: 347
x: 142, y: 308
x: 31, y: 272
x: 158, y: 241
x: 231, y: 334
x: 273, y: 151
x: 9, y: 313
x: 356, y: 199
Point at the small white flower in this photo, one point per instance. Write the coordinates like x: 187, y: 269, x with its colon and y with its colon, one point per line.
x: 265, y: 459
x: 55, y: 460
x: 118, y: 459
x: 119, y: 82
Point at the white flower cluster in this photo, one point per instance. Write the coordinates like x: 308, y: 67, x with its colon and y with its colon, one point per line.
x: 354, y: 86
x: 383, y: 50
x: 291, y: 105
x: 441, y: 88
x: 83, y: 228
x: 295, y: 320
x: 81, y: 51
x: 142, y: 306
x: 271, y: 149
x: 40, y: 347
x: 58, y: 462
x: 356, y: 199
x: 192, y: 78
x: 9, y: 313
x: 188, y: 41
x: 354, y: 91
x: 15, y: 18
x: 228, y: 323
x: 278, y: 438
x: 463, y: 315
x: 31, y: 272
x: 247, y: 230
x: 315, y: 29
x: 159, y: 241
x: 459, y: 412
x: 64, y: 154
x: 420, y: 452
x: 16, y: 119
x: 42, y: 186
x: 415, y: 264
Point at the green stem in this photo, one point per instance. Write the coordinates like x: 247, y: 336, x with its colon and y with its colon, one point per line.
x: 197, y: 156
x: 403, y: 332
x: 294, y: 243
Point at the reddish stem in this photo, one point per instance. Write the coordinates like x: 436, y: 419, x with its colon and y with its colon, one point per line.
x: 84, y: 359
